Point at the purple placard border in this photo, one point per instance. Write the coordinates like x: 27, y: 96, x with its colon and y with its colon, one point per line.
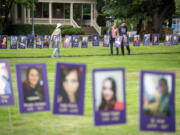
x: 82, y: 87
x: 19, y: 46
x: 41, y: 37
x: 95, y: 43
x: 66, y: 46
x: 87, y: 42
x: 11, y: 96
x: 97, y: 121
x: 168, y: 43
x: 144, y: 119
x: 56, y: 45
x: 134, y: 41
x: 106, y: 45
x: 4, y: 47
x: 20, y: 88
x: 153, y: 35
x: 12, y: 47
x: 147, y: 43
x: 175, y: 43
x: 28, y: 44
x: 73, y: 44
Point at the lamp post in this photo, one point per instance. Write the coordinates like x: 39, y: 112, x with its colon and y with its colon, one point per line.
x: 32, y: 17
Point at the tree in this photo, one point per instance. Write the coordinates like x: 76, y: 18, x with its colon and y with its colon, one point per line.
x: 155, y: 12
x: 5, y: 8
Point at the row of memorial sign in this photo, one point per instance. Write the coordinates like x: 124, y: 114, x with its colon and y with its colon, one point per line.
x: 44, y: 42
x: 157, y: 93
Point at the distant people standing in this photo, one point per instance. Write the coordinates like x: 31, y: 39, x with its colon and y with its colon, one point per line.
x: 113, y: 33
x: 56, y: 32
x: 123, y: 31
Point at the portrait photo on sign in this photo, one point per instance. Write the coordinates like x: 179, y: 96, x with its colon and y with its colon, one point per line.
x: 22, y: 42
x: 157, y: 101
x: 6, y: 90
x: 13, y: 42
x: 84, y: 43
x: 30, y: 41
x: 32, y: 86
x: 136, y: 40
x: 5, y: 84
x: 155, y: 39
x: 118, y: 41
x: 146, y: 39
x: 175, y: 39
x: 46, y: 42
x: 39, y: 41
x: 109, y: 91
x: 56, y: 41
x: 67, y: 40
x: 157, y: 93
x: 126, y: 40
x: 95, y: 40
x: 168, y: 39
x: 109, y: 102
x: 69, y: 88
x: 3, y: 40
x: 75, y: 41
x: 106, y: 41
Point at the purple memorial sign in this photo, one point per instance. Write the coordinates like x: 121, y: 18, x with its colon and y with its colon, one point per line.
x: 56, y: 41
x: 95, y: 40
x: 136, y: 40
x: 69, y: 89
x: 13, y: 42
x: 84, y: 43
x: 3, y: 42
x: 6, y: 89
x: 106, y: 40
x: 109, y: 85
x: 47, y: 39
x: 157, y: 101
x: 30, y: 41
x: 125, y: 40
x: 155, y: 39
x: 32, y: 87
x: 175, y: 39
x: 118, y: 41
x: 22, y: 42
x: 39, y: 41
x: 75, y: 41
x: 146, y: 39
x: 67, y: 40
x: 168, y: 39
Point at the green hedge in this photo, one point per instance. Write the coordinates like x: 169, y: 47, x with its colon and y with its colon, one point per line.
x: 25, y: 29
x: 104, y: 30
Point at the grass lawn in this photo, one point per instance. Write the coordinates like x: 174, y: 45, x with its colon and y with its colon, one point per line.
x: 159, y: 58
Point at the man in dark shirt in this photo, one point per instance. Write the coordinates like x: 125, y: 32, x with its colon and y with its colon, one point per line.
x: 123, y: 31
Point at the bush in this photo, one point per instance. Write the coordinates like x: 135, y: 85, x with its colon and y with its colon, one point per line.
x: 73, y: 31
x: 25, y: 29
x: 104, y: 30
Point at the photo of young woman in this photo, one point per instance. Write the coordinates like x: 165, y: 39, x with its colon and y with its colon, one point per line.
x: 157, y: 96
x: 109, y: 100
x: 70, y: 85
x: 33, y: 87
x: 4, y: 79
x: 3, y: 41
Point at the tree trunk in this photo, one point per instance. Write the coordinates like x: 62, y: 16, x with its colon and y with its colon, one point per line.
x: 139, y: 26
x: 7, y: 9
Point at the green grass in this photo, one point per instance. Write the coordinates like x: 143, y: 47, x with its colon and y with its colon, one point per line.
x: 160, y: 58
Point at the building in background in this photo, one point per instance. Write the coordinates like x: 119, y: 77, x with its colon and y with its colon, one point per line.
x: 58, y: 11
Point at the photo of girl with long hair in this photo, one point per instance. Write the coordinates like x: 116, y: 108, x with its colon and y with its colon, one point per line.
x: 33, y: 85
x: 109, y: 90
x: 70, y: 83
x: 109, y: 100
